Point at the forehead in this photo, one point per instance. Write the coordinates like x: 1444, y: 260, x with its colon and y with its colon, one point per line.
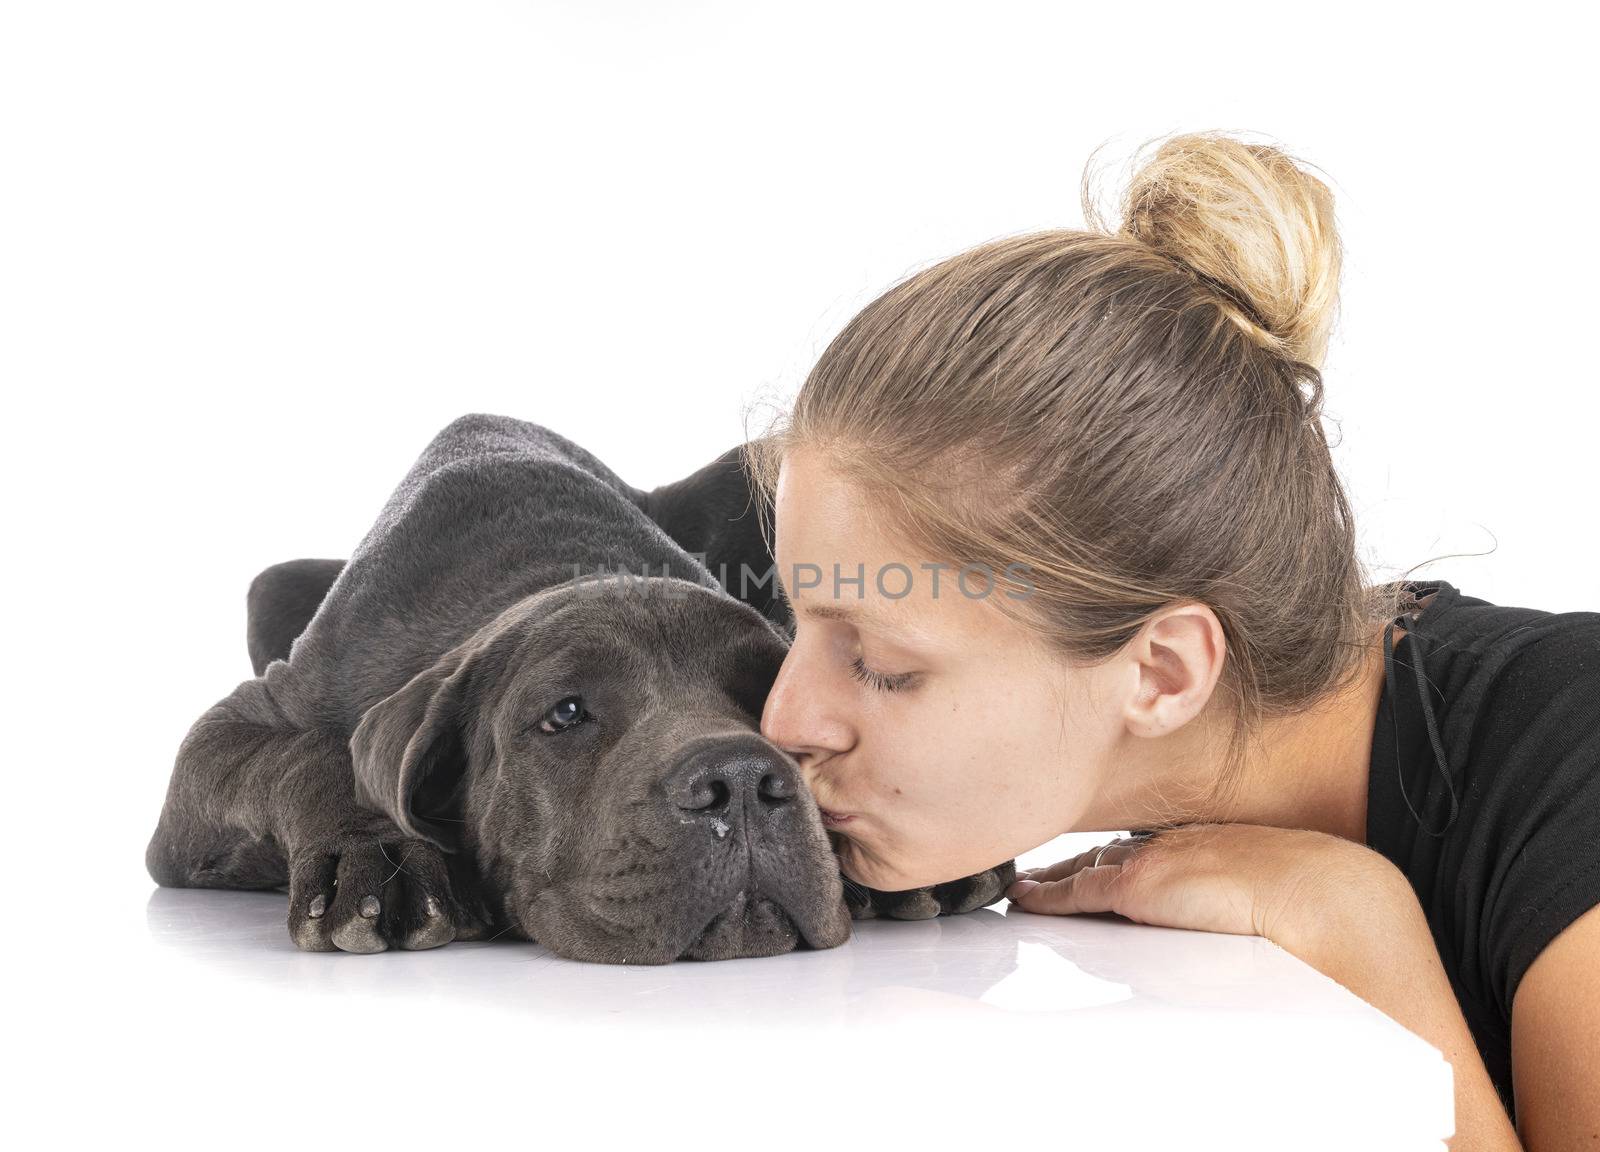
x: 820, y: 516
x: 647, y: 613
x: 639, y: 630
x: 639, y: 655
x: 838, y: 558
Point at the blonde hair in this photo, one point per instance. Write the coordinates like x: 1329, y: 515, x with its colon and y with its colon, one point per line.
x: 1134, y: 414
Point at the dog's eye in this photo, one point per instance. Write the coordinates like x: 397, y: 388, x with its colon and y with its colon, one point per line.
x: 568, y: 713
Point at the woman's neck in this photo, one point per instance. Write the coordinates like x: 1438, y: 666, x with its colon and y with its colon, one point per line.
x: 1308, y: 770
x: 1311, y: 770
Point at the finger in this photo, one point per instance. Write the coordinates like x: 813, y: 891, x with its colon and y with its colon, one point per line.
x: 1056, y: 871
x: 1087, y: 890
x: 1117, y: 852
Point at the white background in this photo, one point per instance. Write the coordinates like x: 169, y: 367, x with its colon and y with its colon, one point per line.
x: 253, y: 255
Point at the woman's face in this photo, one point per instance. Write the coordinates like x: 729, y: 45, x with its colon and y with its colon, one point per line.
x: 939, y: 736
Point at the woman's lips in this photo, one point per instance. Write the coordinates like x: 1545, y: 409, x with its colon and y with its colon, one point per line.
x: 834, y: 819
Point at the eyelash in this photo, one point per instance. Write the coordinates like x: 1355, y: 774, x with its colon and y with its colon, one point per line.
x: 880, y: 681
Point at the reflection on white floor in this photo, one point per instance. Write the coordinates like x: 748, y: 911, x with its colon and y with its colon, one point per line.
x: 981, y: 962
x: 190, y: 1017
x: 1045, y: 981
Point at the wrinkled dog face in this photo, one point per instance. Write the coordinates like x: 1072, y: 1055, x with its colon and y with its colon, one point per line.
x: 597, y: 750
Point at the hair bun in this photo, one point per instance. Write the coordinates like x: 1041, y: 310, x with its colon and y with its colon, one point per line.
x: 1253, y: 225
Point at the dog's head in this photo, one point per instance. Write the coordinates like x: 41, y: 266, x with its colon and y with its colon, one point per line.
x: 595, y: 746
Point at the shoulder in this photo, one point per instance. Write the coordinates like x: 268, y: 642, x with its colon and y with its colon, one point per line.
x: 1532, y: 705
x: 1495, y: 668
x: 1471, y: 625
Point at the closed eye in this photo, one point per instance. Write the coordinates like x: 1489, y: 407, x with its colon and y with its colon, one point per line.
x: 881, y: 681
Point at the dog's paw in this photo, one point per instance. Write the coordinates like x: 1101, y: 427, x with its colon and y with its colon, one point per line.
x: 368, y: 893
x: 925, y: 903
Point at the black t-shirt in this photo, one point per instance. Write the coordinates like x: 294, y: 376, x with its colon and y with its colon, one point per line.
x: 1515, y: 696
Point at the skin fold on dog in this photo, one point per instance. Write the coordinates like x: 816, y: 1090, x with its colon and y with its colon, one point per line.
x: 525, y: 706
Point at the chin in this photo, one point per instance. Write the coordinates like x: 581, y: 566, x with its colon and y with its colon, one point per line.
x: 864, y: 872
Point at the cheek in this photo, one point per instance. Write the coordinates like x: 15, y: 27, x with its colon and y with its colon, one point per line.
x: 933, y: 745
x: 516, y: 810
x: 967, y: 755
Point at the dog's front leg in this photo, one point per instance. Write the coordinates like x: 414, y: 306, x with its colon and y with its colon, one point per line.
x: 253, y: 804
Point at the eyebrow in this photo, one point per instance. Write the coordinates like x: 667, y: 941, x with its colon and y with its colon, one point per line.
x: 834, y: 612
x: 824, y: 611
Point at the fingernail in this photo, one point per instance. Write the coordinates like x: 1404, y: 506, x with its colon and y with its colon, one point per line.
x: 1021, y: 888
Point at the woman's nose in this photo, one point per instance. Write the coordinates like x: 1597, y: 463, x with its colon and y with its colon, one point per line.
x: 801, y: 715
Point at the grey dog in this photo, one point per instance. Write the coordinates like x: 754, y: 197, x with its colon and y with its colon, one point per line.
x: 524, y: 706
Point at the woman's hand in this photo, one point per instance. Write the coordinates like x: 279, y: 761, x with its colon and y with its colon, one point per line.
x: 1245, y: 879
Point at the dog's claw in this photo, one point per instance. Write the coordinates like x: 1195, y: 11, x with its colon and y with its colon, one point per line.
x: 370, y: 906
x: 319, y: 905
x: 431, y: 906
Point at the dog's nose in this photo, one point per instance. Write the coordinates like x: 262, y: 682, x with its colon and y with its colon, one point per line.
x: 721, y: 779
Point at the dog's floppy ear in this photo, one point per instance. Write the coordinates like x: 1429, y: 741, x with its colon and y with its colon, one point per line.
x: 410, y: 749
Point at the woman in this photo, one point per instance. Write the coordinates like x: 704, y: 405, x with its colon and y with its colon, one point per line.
x: 1152, y: 615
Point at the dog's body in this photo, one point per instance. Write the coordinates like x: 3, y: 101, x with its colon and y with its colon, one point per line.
x: 467, y: 729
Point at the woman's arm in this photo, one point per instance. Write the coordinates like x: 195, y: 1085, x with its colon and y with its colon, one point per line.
x: 1555, y: 1041
x: 1339, y: 906
x: 1378, y: 944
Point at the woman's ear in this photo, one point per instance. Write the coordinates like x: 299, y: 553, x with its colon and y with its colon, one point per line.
x: 409, y: 751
